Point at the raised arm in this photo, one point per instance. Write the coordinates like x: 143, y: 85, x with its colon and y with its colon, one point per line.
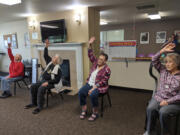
x: 10, y: 52
x: 46, y: 55
x: 156, y: 58
x: 91, y: 55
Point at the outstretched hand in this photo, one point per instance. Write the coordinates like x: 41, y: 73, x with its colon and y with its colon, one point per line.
x: 168, y: 48
x: 47, y: 43
x: 91, y: 41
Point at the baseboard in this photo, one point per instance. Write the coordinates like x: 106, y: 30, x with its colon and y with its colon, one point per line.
x: 132, y: 89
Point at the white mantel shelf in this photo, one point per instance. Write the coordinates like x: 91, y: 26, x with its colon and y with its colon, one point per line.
x: 58, y: 44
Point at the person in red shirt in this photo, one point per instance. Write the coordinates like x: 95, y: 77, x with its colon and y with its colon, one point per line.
x: 16, y: 71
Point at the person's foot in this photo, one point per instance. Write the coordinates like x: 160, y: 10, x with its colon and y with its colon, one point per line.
x: 146, y: 133
x: 29, y: 106
x: 5, y: 95
x: 93, y: 117
x: 83, y: 115
x: 36, y: 111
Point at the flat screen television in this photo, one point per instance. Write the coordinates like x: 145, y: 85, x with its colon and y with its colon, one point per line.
x: 54, y: 30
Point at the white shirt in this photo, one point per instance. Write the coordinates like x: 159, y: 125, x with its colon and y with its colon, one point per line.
x: 92, y: 78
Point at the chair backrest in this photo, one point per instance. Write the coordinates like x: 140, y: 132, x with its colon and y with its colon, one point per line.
x: 154, y: 77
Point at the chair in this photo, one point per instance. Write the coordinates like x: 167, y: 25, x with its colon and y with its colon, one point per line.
x: 20, y: 80
x: 49, y: 92
x: 176, y: 122
x: 101, y: 95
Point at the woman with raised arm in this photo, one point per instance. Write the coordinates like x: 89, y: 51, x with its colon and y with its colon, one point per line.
x: 97, y: 82
x: 167, y: 97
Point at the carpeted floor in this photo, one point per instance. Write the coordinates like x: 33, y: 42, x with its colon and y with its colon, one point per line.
x: 125, y: 117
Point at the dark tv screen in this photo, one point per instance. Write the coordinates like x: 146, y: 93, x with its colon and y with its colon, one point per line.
x: 54, y: 30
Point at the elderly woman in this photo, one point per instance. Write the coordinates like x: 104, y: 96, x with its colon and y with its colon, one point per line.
x: 166, y: 99
x: 50, y: 79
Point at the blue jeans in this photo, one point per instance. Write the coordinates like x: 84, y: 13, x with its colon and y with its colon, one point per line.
x: 154, y: 110
x: 83, y: 93
x: 6, y: 83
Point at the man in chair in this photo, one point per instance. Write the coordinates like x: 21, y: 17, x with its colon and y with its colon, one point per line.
x: 16, y: 71
x: 50, y: 79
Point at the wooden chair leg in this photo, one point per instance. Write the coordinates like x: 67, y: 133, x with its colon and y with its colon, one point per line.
x: 14, y: 88
x: 102, y: 106
x: 109, y: 99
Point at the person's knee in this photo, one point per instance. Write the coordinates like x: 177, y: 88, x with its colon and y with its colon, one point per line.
x: 163, y: 112
x: 41, y: 90
x: 81, y: 92
x: 93, y: 96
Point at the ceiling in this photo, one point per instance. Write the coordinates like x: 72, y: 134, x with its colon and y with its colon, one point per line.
x: 112, y: 11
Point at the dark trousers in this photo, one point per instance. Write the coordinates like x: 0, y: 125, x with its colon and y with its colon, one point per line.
x: 154, y: 110
x: 83, y: 93
x: 38, y: 93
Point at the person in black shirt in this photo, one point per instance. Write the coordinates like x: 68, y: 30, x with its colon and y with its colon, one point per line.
x: 50, y: 79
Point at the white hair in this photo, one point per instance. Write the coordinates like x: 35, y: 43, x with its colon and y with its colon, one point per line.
x: 59, y: 60
x: 175, y: 57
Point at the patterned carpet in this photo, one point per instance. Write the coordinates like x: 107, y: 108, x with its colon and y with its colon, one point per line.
x: 125, y: 117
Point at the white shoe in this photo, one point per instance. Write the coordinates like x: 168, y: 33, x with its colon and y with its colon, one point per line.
x: 146, y: 133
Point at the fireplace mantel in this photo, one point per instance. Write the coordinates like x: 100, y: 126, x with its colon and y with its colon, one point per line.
x: 59, y: 44
x: 62, y: 48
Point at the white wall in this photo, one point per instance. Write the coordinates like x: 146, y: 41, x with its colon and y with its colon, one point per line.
x: 19, y: 27
x: 136, y: 75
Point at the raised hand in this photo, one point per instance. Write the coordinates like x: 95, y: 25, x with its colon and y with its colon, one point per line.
x: 168, y: 48
x: 91, y: 41
x: 47, y: 43
x: 9, y: 45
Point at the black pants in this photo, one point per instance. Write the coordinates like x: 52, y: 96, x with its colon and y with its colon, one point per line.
x: 38, y: 93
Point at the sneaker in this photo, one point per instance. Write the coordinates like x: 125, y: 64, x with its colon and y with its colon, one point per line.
x: 146, y: 133
x: 29, y: 106
x: 36, y: 111
x: 5, y: 95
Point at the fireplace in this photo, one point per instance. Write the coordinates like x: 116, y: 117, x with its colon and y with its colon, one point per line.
x: 65, y: 68
x: 72, y: 67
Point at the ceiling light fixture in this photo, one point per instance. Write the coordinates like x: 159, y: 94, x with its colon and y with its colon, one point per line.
x: 154, y: 16
x: 10, y: 2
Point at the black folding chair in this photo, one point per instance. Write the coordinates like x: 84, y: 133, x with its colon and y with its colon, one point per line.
x: 173, y: 122
x: 101, y: 95
x: 49, y: 92
x: 16, y: 82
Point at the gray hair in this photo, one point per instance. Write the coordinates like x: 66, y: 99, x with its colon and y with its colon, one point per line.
x: 175, y: 57
x: 59, y: 60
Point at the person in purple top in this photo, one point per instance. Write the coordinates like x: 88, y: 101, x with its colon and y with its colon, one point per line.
x: 166, y: 100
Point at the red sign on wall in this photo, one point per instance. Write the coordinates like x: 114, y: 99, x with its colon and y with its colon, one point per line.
x: 123, y: 44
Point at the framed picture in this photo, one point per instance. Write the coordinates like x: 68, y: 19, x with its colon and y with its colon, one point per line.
x: 161, y: 37
x: 177, y: 32
x: 26, y: 39
x: 144, y: 38
x: 12, y: 39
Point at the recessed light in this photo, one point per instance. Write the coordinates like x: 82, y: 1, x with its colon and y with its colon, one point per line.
x: 10, y: 2
x: 154, y: 16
